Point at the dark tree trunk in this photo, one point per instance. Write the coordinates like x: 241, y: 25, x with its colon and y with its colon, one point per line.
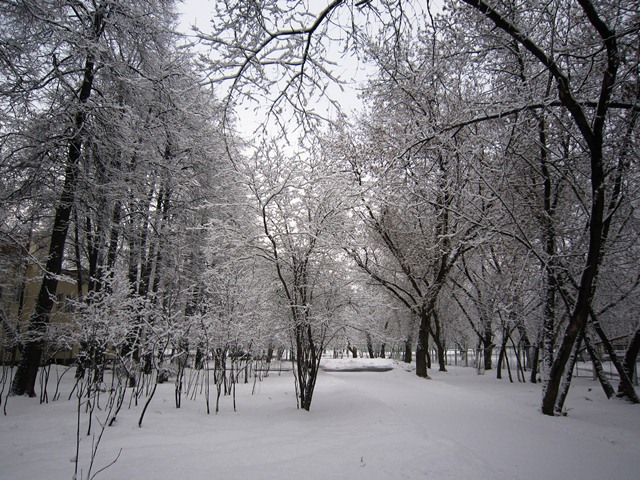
x: 499, y: 365
x: 440, y: 347
x: 625, y: 386
x: 502, y: 357
x: 269, y: 353
x: 370, y: 346
x: 441, y: 352
x: 597, y: 366
x: 488, y: 354
x: 408, y: 350
x: 487, y: 343
x: 307, y: 364
x: 568, y: 373
x: 24, y: 381
x: 421, y: 348
x: 106, y: 271
x: 526, y: 346
x: 199, y: 361
x: 630, y: 358
x: 534, y: 363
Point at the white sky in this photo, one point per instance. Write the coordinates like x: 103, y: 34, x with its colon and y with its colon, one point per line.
x: 198, y: 12
x: 350, y: 70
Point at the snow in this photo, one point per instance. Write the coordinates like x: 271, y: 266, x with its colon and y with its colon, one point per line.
x: 362, y: 425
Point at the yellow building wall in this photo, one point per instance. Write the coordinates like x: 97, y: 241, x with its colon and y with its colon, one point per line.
x: 29, y: 278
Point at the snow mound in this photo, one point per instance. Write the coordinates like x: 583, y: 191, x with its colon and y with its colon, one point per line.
x: 357, y: 364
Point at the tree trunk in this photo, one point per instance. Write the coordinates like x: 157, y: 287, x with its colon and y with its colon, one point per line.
x: 421, y: 347
x: 269, y: 353
x: 370, y: 346
x: 440, y: 347
x: 488, y: 353
x: 526, y: 346
x: 534, y: 363
x: 597, y: 366
x: 441, y: 352
x: 630, y: 358
x: 625, y: 386
x: 24, y: 381
x: 499, y: 365
x: 105, y: 274
x: 307, y: 363
x: 503, y: 352
x: 568, y: 374
x: 487, y: 343
x: 408, y: 350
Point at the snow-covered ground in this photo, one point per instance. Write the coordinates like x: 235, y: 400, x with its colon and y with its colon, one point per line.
x: 362, y: 425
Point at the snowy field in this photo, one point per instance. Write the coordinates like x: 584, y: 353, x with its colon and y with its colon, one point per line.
x: 362, y: 425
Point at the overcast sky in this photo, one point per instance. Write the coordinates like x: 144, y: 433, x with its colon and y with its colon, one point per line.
x: 198, y: 12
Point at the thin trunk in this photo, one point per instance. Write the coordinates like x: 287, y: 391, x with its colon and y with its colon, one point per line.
x: 534, y: 363
x: 630, y: 357
x: 440, y: 346
x: 421, y: 347
x: 487, y: 343
x: 506, y: 359
x: 520, y: 361
x: 568, y: 375
x: 503, y: 353
x: 78, y: 259
x: 549, y: 241
x: 625, y: 387
x: 105, y: 272
x: 597, y: 366
x: 93, y: 252
x: 499, y: 365
x: 408, y: 350
x: 526, y: 345
x: 370, y: 346
x: 500, y: 360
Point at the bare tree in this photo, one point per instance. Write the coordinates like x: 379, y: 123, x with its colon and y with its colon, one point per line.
x: 25, y: 378
x: 109, y: 151
x: 529, y: 73
x: 591, y: 123
x: 299, y: 208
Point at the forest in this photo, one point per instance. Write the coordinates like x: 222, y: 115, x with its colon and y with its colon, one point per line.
x: 292, y: 180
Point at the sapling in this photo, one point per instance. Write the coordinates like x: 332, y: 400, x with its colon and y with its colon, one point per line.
x: 112, y: 403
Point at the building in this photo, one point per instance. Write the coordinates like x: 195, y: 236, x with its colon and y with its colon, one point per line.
x: 21, y: 274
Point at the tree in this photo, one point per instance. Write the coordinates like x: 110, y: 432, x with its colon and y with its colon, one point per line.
x: 298, y: 204
x: 421, y: 201
x: 26, y: 375
x: 525, y: 90
x: 125, y: 52
x: 591, y: 121
x: 278, y: 58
